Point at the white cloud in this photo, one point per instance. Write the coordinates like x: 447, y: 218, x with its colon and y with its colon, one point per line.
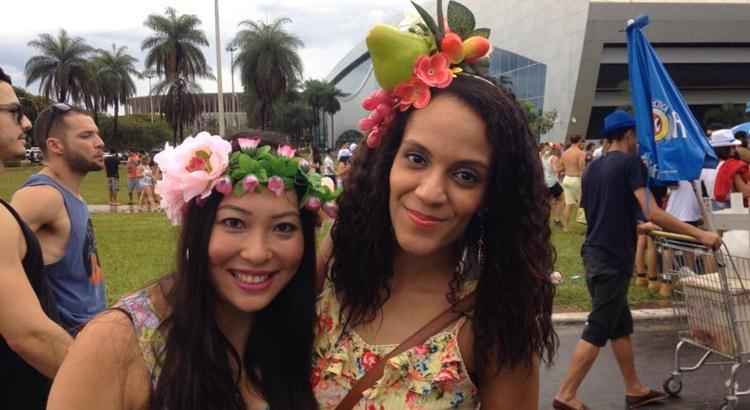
x: 329, y: 28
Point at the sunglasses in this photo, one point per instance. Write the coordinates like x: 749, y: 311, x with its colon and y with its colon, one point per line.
x: 58, y: 109
x: 14, y: 109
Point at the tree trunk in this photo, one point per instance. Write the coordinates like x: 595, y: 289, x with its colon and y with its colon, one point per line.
x: 333, y: 132
x: 117, y: 111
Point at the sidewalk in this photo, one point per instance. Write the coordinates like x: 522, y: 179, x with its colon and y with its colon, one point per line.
x: 121, y: 209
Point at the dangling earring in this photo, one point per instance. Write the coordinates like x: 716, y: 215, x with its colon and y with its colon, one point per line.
x: 482, y: 243
x: 187, y: 254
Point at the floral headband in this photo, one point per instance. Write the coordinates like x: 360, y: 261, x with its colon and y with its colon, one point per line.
x: 407, y: 64
x: 204, y: 163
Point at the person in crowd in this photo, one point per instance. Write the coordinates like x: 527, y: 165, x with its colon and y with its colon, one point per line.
x: 601, y: 150
x: 147, y: 187
x: 316, y: 160
x: 646, y: 259
x: 342, y: 170
x: 573, y: 162
x: 615, y: 196
x: 112, y: 168
x: 742, y: 150
x: 343, y: 152
x: 134, y: 160
x: 731, y: 175
x: 551, y: 165
x: 32, y: 342
x: 51, y: 204
x: 447, y: 205
x: 589, y: 152
x: 329, y: 166
x: 232, y: 328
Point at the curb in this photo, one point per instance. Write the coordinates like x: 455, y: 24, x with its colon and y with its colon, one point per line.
x: 641, y: 315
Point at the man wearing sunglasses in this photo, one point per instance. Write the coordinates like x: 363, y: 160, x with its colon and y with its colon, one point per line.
x: 51, y: 203
x: 32, y: 343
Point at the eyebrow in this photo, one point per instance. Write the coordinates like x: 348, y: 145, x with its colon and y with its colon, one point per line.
x: 246, y: 212
x: 421, y: 147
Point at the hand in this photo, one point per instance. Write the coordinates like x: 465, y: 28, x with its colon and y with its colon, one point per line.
x: 647, y: 227
x: 710, y: 239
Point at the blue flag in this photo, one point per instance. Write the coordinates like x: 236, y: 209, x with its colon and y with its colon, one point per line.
x: 671, y: 141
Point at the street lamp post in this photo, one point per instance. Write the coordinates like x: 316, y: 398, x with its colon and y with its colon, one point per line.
x: 220, y: 94
x: 148, y: 74
x: 231, y: 50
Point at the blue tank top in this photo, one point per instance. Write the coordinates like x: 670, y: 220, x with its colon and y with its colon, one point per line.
x: 76, y: 280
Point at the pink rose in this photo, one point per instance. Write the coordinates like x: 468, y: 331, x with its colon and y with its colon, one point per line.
x: 276, y: 185
x: 248, y: 143
x: 313, y: 204
x: 366, y: 124
x: 224, y: 185
x: 434, y: 71
x: 447, y: 375
x: 250, y: 183
x: 190, y: 170
x: 331, y: 209
x: 286, y: 151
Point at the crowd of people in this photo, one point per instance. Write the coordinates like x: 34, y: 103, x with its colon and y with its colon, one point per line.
x: 431, y: 291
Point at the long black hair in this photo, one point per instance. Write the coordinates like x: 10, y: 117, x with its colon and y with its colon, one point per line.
x: 512, y: 316
x: 198, y: 365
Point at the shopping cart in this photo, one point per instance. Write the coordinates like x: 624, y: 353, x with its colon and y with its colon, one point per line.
x: 711, y: 300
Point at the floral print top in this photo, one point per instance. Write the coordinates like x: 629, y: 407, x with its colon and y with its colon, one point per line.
x: 427, y: 377
x: 146, y: 325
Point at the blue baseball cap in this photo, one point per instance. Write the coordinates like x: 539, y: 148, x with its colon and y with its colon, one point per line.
x: 617, y: 121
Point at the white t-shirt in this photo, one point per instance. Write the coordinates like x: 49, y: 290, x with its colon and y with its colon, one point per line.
x: 598, y: 152
x: 550, y: 179
x: 683, y: 204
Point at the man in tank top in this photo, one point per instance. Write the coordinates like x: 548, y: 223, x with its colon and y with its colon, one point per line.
x: 32, y: 344
x: 51, y: 203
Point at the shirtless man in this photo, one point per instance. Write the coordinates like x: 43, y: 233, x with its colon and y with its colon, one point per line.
x: 50, y: 202
x: 32, y: 345
x: 572, y: 163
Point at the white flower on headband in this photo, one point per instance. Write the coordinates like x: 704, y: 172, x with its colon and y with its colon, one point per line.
x: 190, y: 170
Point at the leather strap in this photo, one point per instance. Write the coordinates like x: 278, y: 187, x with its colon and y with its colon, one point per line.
x: 437, y: 324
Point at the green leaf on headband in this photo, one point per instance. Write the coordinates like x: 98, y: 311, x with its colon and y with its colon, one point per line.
x: 481, y: 32
x: 264, y: 150
x: 440, y: 23
x: 460, y: 19
x: 245, y: 163
x: 427, y: 18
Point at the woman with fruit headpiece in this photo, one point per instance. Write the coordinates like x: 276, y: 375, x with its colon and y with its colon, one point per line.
x: 232, y: 328
x: 436, y: 294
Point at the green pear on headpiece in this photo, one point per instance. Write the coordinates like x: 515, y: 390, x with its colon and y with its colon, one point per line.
x: 394, y: 53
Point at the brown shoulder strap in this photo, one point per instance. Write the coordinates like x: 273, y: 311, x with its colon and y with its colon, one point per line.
x: 437, y: 324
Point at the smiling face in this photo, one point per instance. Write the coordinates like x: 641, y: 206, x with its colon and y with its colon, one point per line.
x: 12, y: 132
x: 255, y: 249
x: 439, y: 176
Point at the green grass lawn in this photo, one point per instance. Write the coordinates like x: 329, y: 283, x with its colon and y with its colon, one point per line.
x: 93, y: 189
x: 135, y: 249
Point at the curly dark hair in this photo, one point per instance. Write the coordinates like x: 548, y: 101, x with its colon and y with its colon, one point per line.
x: 512, y: 316
x: 196, y: 365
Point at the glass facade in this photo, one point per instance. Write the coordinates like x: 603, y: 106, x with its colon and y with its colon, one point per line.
x: 527, y: 78
x: 351, y: 82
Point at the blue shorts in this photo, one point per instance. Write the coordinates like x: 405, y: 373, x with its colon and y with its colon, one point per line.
x: 134, y: 185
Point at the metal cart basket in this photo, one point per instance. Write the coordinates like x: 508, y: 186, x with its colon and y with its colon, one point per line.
x: 711, y: 299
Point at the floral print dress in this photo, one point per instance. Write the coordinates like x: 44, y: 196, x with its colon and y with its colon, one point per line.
x: 146, y: 325
x: 430, y: 376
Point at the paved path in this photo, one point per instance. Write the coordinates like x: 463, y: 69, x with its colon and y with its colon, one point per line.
x: 654, y: 346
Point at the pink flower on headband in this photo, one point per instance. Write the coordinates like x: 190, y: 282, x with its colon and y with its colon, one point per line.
x: 413, y: 92
x: 190, y: 170
x: 286, y: 151
x: 276, y: 185
x: 434, y: 71
x: 248, y: 143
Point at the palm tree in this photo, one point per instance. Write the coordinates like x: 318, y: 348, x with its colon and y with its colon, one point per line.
x: 180, y: 103
x: 116, y: 69
x: 268, y: 62
x: 331, y: 104
x: 314, y: 93
x: 61, y: 66
x: 175, y: 48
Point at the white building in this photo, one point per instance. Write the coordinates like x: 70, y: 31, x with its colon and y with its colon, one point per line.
x: 570, y: 56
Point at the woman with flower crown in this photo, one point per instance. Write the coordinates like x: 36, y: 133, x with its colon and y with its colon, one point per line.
x: 232, y: 328
x: 436, y: 294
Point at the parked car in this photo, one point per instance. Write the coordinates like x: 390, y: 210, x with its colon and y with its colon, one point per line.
x: 34, y: 154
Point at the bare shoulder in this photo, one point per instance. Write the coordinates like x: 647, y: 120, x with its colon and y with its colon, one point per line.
x: 38, y: 205
x: 106, y: 358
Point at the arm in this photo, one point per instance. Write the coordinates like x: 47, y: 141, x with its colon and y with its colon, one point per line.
x: 105, y: 359
x: 742, y: 186
x: 511, y: 389
x: 23, y: 324
x: 38, y: 205
x: 658, y: 216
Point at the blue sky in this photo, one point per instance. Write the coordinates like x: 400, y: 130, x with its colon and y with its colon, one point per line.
x: 329, y: 28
